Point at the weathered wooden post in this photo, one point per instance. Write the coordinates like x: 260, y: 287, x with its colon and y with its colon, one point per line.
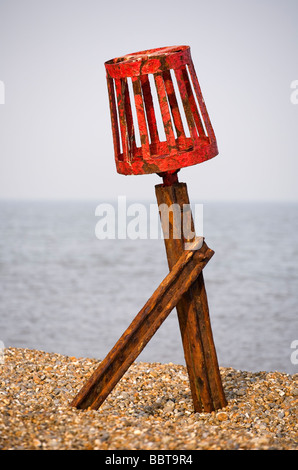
x: 142, y: 86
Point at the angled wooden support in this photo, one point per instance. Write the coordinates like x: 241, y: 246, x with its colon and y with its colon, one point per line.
x: 180, y: 279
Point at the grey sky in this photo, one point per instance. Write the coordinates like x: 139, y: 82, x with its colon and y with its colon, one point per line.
x: 55, y: 134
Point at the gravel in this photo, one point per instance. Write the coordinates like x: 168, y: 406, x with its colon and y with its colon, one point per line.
x: 150, y: 408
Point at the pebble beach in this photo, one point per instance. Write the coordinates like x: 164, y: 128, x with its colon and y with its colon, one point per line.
x: 149, y: 409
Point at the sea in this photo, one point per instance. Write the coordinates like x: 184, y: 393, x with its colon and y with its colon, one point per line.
x: 64, y: 289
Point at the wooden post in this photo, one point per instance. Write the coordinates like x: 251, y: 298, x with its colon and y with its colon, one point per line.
x: 193, y: 312
x: 183, y: 274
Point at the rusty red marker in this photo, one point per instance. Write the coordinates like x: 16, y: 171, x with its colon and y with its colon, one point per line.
x: 133, y: 80
x: 160, y: 124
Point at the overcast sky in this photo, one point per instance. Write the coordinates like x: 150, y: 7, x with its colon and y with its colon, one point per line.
x: 55, y: 133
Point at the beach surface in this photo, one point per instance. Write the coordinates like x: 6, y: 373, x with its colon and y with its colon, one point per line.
x: 149, y: 409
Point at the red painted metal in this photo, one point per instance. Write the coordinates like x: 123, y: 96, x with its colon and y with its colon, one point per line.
x: 158, y: 83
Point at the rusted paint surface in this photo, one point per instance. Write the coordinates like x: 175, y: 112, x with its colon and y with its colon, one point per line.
x: 165, y: 113
x: 154, y: 155
x: 149, y: 108
x: 113, y: 111
x: 140, y: 109
x: 173, y: 103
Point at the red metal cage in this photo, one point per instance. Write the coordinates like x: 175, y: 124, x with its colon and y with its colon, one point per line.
x: 159, y: 119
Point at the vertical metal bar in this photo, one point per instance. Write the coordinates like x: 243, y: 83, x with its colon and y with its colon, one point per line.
x: 201, y: 102
x: 120, y: 89
x: 129, y: 120
x: 193, y: 104
x: 114, y: 120
x: 186, y: 105
x: 141, y: 117
x: 149, y: 108
x: 165, y: 112
x: 173, y: 103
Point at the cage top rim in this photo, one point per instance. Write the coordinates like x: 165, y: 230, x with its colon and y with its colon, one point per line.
x: 147, y: 54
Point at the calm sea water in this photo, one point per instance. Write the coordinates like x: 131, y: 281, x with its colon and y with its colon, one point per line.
x: 63, y: 290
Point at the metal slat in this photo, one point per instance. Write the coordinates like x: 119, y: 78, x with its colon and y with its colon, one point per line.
x: 141, y: 117
x: 186, y: 105
x: 114, y: 117
x: 151, y: 118
x: 120, y: 90
x: 165, y: 112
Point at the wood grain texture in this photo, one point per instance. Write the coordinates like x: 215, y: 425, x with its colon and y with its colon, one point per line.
x: 144, y: 326
x: 192, y: 309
